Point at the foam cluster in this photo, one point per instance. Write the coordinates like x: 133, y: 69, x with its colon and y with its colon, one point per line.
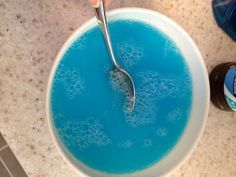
x: 170, y: 47
x: 80, y: 43
x: 145, y: 106
x: 175, y: 86
x: 144, y: 112
x: 154, y: 87
x: 83, y: 134
x: 59, y: 75
x: 72, y: 81
x: 167, y: 87
x: 129, y: 53
x: 149, y: 81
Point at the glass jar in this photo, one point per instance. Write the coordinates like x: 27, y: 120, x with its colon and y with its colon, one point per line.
x: 223, y: 86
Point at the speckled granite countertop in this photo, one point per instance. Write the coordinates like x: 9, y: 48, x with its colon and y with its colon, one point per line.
x: 31, y: 33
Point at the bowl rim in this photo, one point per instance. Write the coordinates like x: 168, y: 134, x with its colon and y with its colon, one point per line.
x: 80, y: 30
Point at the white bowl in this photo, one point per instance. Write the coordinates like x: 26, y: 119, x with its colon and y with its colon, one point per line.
x: 200, y: 100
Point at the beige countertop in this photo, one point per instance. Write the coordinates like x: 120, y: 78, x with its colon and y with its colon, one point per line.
x: 31, y: 33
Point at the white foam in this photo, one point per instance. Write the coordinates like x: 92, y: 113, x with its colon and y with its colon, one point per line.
x: 183, y: 85
x: 154, y: 87
x: 144, y: 112
x: 170, y: 47
x: 129, y: 53
x: 145, y: 109
x: 175, y: 86
x: 83, y: 134
x: 149, y: 81
x: 80, y: 43
x: 72, y: 81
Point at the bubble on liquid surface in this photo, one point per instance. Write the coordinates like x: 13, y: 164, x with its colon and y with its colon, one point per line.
x: 167, y: 87
x: 170, y: 47
x: 175, y: 115
x: 127, y: 144
x: 80, y: 43
x: 147, y: 143
x: 149, y: 81
x: 175, y: 86
x: 118, y: 81
x: 107, y: 68
x: 83, y: 134
x: 145, y: 109
x: 59, y: 75
x: 129, y: 53
x: 144, y: 112
x: 72, y: 81
x: 154, y: 87
x: 183, y: 82
x: 162, y: 132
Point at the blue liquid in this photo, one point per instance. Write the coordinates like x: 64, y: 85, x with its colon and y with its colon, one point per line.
x: 89, y: 106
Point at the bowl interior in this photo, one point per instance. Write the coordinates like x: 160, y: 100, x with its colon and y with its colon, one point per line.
x: 200, y: 100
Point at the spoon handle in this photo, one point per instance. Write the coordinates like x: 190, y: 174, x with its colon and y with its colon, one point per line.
x: 102, y: 20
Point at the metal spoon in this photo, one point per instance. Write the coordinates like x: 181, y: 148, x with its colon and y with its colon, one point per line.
x: 101, y: 17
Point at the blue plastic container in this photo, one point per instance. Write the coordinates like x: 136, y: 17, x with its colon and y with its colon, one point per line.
x: 225, y: 15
